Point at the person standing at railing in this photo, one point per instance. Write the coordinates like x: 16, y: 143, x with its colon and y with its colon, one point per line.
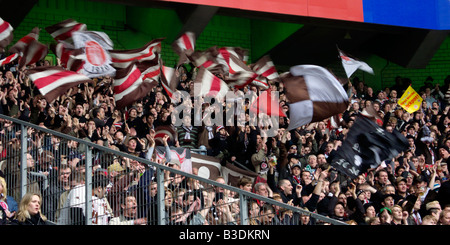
x: 56, y: 188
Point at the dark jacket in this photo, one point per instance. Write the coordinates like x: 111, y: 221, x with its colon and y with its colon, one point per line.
x: 33, y: 220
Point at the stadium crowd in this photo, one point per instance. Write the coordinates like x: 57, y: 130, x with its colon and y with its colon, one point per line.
x: 294, y: 167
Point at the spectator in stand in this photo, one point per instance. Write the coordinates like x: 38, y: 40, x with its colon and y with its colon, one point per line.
x: 30, y: 211
x: 129, y: 212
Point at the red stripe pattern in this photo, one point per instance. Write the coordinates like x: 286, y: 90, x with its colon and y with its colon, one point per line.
x: 53, y: 81
x: 63, y: 30
x: 21, y: 45
x: 34, y: 52
x: 9, y: 59
x: 6, y: 34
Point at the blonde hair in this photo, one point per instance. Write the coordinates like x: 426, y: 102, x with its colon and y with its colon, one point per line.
x: 23, y: 213
x: 3, y: 194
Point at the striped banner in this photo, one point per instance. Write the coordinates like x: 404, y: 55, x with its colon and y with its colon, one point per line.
x: 53, y: 81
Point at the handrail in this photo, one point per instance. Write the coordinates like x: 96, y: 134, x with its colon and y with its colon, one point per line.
x: 160, y: 168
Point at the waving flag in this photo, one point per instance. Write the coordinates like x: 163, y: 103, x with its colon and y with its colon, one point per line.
x: 351, y: 65
x: 53, y: 81
x: 265, y: 68
x: 123, y: 58
x: 129, y: 86
x: 6, y: 34
x: 314, y: 94
x: 97, y: 60
x: 71, y: 58
x: 21, y: 45
x: 208, y: 60
x: 168, y: 80
x: 151, y: 70
x: 34, y: 52
x: 208, y: 85
x: 184, y: 45
x: 366, y: 146
x: 63, y: 30
x: 232, y: 58
x: 9, y: 59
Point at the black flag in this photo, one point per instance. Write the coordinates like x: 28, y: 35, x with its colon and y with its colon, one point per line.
x: 366, y: 146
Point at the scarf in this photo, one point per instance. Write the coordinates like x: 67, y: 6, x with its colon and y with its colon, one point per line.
x: 187, y: 136
x: 210, y: 132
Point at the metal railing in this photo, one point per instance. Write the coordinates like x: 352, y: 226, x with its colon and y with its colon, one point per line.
x: 107, y: 186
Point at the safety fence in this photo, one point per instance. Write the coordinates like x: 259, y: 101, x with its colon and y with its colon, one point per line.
x: 87, y: 183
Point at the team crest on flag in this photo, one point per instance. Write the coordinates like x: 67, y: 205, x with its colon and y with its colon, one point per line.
x: 410, y: 100
x: 97, y: 59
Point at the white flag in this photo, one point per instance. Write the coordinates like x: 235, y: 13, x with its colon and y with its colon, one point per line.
x: 351, y: 65
x: 97, y: 59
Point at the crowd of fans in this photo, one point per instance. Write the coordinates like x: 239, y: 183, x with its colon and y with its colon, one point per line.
x: 294, y: 167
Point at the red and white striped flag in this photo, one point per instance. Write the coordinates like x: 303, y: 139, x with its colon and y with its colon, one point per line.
x: 207, y: 84
x: 53, y: 81
x: 129, y: 86
x: 21, y: 45
x: 208, y: 60
x: 34, y: 52
x: 123, y: 58
x: 185, y: 44
x: 239, y: 74
x: 233, y: 58
x: 9, y: 59
x: 169, y: 80
x: 241, y: 79
x: 6, y: 34
x: 63, y: 30
x: 150, y: 70
x: 313, y: 93
x: 70, y: 58
x: 265, y: 68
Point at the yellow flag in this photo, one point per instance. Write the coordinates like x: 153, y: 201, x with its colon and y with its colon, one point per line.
x: 410, y: 100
